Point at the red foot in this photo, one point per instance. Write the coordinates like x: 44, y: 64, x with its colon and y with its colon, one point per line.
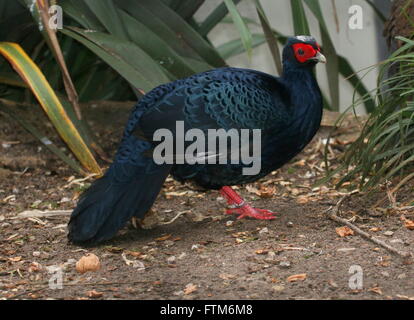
x: 242, y: 208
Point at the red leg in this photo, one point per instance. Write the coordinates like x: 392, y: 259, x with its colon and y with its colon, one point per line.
x: 242, y: 208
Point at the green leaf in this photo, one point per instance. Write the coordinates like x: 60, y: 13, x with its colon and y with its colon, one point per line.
x: 235, y: 47
x: 244, y: 31
x: 270, y: 38
x: 214, y: 18
x: 332, y: 67
x: 350, y: 75
x: 159, y: 50
x: 173, y: 29
x: 377, y: 11
x: 187, y: 8
x: 107, y: 14
x: 81, y: 12
x: 126, y: 58
x: 300, y: 22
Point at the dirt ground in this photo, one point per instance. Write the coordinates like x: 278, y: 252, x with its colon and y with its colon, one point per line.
x: 203, y: 253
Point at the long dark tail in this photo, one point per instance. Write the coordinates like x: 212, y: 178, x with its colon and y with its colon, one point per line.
x: 125, y: 191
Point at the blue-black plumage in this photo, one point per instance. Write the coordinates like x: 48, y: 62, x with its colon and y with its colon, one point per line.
x: 286, y: 109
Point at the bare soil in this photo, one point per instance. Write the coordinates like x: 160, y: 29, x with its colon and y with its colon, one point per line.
x: 203, y: 253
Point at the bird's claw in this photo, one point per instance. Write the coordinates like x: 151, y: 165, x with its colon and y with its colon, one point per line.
x: 249, y: 211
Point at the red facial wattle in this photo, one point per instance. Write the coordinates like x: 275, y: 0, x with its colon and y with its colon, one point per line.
x: 304, y: 52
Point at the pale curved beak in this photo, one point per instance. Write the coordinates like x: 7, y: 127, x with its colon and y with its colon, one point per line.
x: 319, y: 58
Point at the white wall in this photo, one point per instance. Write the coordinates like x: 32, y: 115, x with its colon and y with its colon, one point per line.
x: 360, y: 47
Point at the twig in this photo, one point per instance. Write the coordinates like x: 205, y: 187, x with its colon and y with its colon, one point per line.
x: 41, y: 214
x: 27, y: 292
x: 394, y: 190
x: 53, y: 42
x: 176, y: 217
x: 332, y: 214
x: 45, y: 285
x: 79, y: 181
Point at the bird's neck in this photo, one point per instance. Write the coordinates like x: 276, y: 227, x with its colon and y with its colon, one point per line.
x: 304, y: 90
x: 297, y: 77
x: 306, y: 98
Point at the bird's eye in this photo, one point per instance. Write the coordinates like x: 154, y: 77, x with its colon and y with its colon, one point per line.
x: 301, y: 52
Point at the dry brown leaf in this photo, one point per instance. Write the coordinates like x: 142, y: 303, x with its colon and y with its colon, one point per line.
x: 15, y: 259
x: 139, y: 265
x: 409, y: 224
x: 163, y: 238
x: 94, y: 294
x: 34, y: 267
x: 302, y: 199
x: 300, y: 163
x: 150, y: 220
x: 400, y: 296
x: 385, y: 264
x: 227, y: 276
x: 376, y: 290
x: 88, y: 262
x: 169, y: 195
x: 134, y: 253
x: 266, y: 192
x: 241, y: 234
x: 190, y: 288
x: 344, y: 231
x: 262, y: 251
x: 297, y: 277
x: 375, y: 229
x: 250, y: 188
x: 114, y: 249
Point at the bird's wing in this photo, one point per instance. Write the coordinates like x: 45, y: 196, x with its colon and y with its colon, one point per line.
x: 219, y: 99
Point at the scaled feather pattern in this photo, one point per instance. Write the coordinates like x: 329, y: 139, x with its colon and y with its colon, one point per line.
x: 287, y: 110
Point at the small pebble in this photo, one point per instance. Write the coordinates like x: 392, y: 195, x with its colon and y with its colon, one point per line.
x: 333, y: 284
x: 64, y: 199
x: 289, y: 224
x: 278, y: 288
x: 388, y: 233
x: 284, y: 264
x: 36, y: 254
x: 346, y: 249
x: 168, y: 243
x: 271, y: 254
x: 229, y: 223
x: 171, y: 259
x: 178, y: 293
x: 264, y: 230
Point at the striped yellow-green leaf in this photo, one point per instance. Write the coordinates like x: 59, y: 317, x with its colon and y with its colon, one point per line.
x: 51, y: 104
